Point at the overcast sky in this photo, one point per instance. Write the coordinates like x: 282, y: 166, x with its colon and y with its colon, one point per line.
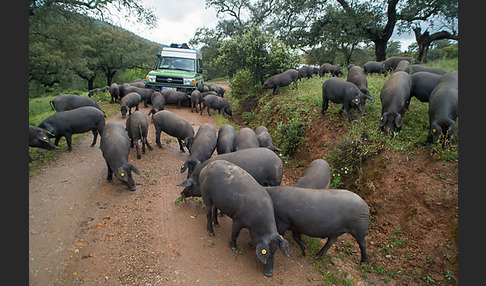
x: 179, y: 19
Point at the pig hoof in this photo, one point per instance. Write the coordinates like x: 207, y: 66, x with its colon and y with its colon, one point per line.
x: 211, y: 233
x: 269, y: 274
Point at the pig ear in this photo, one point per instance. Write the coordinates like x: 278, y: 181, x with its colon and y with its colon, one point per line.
x: 48, y: 134
x: 186, y: 183
x: 284, y: 246
x: 398, y: 120
x: 263, y: 252
x: 133, y: 168
x: 368, y: 95
x: 383, y: 119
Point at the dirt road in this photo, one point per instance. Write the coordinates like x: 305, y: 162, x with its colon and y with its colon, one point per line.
x: 85, y: 231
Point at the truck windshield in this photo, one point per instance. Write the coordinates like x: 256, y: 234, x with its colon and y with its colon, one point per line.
x: 173, y: 63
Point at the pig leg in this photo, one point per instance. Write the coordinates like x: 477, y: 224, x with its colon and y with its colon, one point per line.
x: 235, y: 231
x: 138, y: 149
x: 300, y: 242
x: 325, y: 105
x: 68, y: 141
x: 157, y: 138
x: 209, y: 226
x: 95, y: 136
x: 348, y: 111
x: 215, y: 216
x: 143, y: 145
x: 109, y: 177
x: 148, y: 145
x: 56, y: 141
x: 275, y: 90
x: 203, y: 106
x: 362, y: 246
x: 329, y: 243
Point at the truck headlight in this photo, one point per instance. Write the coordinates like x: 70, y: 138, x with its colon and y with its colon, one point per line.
x: 188, y: 81
x: 151, y: 78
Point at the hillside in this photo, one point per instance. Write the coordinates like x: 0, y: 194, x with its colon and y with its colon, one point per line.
x: 412, y: 190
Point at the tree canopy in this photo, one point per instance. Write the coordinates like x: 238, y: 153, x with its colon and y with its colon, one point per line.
x: 340, y: 24
x: 65, y: 44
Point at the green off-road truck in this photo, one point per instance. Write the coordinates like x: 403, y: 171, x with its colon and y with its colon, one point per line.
x: 177, y: 68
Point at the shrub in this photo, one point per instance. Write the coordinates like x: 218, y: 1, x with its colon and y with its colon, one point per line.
x: 241, y: 83
x: 290, y: 135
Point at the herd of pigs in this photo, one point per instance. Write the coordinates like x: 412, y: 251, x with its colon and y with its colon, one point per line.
x: 409, y: 79
x: 243, y: 180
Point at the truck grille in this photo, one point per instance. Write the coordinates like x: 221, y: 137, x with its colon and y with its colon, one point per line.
x: 168, y: 79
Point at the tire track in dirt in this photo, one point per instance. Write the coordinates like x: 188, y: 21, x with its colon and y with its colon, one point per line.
x: 85, y: 231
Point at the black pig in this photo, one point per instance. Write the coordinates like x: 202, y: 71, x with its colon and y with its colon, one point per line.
x: 320, y: 213
x: 174, y: 125
x: 422, y: 85
x: 216, y: 102
x: 39, y: 138
x: 263, y: 164
x: 374, y: 67
x: 395, y: 97
x: 158, y: 103
x: 115, y: 146
x: 202, y: 148
x: 137, y: 129
x: 443, y: 109
x: 176, y: 97
x: 345, y: 93
x: 226, y: 139
x: 317, y: 176
x: 130, y: 100
x: 74, y: 121
x: 65, y: 102
x: 265, y: 139
x: 232, y: 190
x: 281, y: 79
x: 246, y: 138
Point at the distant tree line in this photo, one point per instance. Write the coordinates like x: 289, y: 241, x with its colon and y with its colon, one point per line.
x: 66, y: 44
x: 331, y: 30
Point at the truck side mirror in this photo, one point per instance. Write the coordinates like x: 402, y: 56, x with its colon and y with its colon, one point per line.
x: 200, y: 70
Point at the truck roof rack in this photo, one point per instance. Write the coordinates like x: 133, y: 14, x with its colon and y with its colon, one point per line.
x: 182, y: 46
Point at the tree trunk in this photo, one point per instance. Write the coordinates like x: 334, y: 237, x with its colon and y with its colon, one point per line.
x: 380, y: 49
x: 424, y: 40
x: 110, y: 74
x: 90, y: 83
x: 381, y: 40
